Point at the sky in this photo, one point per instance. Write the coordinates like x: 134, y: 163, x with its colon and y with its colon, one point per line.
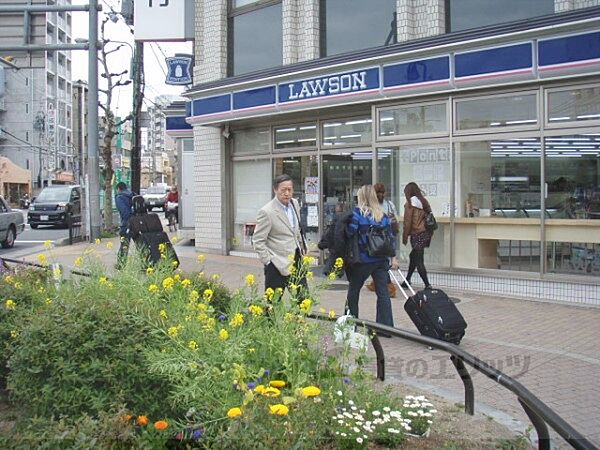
x: 154, y: 58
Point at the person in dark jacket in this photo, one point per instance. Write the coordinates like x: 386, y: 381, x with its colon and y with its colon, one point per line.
x: 367, y: 214
x: 415, y: 212
x: 123, y: 202
x: 334, y: 239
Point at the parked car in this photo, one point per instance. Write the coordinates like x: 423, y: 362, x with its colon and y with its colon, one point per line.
x: 155, y: 197
x: 53, y: 206
x: 11, y: 224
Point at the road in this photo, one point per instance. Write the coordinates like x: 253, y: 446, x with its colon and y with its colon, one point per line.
x: 32, y: 241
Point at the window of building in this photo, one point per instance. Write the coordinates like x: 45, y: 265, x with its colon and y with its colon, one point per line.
x: 296, y: 136
x: 251, y: 142
x: 347, y: 132
x: 348, y: 25
x: 255, y: 38
x: 27, y: 137
x: 497, y: 112
x: 26, y: 108
x: 573, y: 105
x: 413, y: 120
x: 466, y: 14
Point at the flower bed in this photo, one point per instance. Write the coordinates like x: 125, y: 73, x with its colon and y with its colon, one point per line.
x: 154, y: 358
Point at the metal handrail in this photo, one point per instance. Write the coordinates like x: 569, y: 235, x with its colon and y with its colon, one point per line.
x: 538, y: 412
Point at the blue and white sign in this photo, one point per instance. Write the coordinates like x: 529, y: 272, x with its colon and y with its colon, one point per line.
x: 349, y: 83
x: 179, y: 70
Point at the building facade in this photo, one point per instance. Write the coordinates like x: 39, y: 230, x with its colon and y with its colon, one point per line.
x: 37, y: 115
x: 491, y: 107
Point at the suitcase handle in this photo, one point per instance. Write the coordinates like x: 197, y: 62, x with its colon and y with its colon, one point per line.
x: 410, y: 288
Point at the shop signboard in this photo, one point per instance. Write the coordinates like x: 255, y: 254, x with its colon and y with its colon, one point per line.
x: 164, y: 20
x: 179, y: 70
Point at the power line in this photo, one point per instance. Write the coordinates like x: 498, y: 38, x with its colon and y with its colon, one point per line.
x: 158, y: 60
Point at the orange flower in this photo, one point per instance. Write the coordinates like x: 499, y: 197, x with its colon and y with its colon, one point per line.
x: 142, y: 421
x: 126, y: 417
x: 161, y: 425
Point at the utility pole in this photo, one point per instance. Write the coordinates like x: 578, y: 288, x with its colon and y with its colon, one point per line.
x: 93, y: 161
x: 138, y: 96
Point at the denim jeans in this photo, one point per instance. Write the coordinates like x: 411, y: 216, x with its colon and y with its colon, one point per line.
x: 357, y: 275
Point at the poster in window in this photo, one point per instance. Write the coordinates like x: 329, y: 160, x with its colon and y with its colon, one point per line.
x: 311, y: 189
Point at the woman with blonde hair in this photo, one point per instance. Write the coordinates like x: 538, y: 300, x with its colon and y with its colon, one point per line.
x: 366, y: 217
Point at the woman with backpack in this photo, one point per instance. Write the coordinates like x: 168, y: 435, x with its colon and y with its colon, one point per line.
x: 416, y: 210
x: 372, y: 230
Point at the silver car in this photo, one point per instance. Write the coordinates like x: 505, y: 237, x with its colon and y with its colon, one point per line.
x: 11, y: 224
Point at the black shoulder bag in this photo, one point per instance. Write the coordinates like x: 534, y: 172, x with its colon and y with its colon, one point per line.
x: 430, y: 222
x: 379, y: 241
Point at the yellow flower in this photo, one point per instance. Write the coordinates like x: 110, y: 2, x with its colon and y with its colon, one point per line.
x: 150, y: 270
x: 210, y: 324
x: 168, y: 283
x: 223, y: 334
x: 42, y: 259
x: 109, y: 245
x: 79, y: 261
x: 103, y: 280
x: 291, y: 257
x: 311, y: 391
x: 193, y: 345
x: 339, y: 263
x: 10, y: 304
x: 142, y: 421
x: 260, y: 388
x: 279, y: 410
x: 56, y: 272
x: 47, y: 244
x: 207, y: 295
x: 255, y: 310
x: 161, y: 425
x: 269, y: 294
x: 307, y: 260
x: 251, y: 350
x: 202, y: 307
x: 216, y: 276
x: 174, y: 239
x: 289, y: 317
x: 200, y: 258
x: 292, y: 269
x: 173, y: 331
x: 293, y: 287
x: 271, y: 392
x: 237, y: 321
x: 175, y: 264
x: 332, y: 314
x: 332, y: 276
x: 19, y: 285
x: 153, y: 288
x: 194, y: 296
x: 250, y: 279
x: 163, y: 314
x: 14, y: 334
x: 309, y: 275
x: 306, y: 305
x: 9, y: 279
x: 279, y: 291
x: 162, y: 247
x: 186, y: 283
x: 277, y: 384
x: 234, y: 412
x: 48, y: 301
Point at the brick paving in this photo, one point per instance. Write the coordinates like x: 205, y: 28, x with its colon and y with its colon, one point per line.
x: 552, y: 349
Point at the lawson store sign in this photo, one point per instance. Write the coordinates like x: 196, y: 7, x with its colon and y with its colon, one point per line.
x: 504, y: 64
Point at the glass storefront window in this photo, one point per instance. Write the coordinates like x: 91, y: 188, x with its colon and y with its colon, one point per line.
x: 256, y: 40
x: 356, y: 131
x: 413, y: 120
x: 251, y: 142
x: 295, y: 136
x: 499, y: 178
x: 465, y: 14
x: 430, y: 167
x: 577, y: 258
x: 574, y: 105
x: 343, y: 175
x: 348, y: 25
x: 573, y: 176
x: 304, y: 171
x: 251, y: 191
x: 497, y: 112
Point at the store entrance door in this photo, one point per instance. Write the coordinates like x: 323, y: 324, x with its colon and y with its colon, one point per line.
x: 343, y: 174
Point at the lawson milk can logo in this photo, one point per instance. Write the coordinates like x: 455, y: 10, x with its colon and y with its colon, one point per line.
x: 330, y: 85
x: 179, y: 70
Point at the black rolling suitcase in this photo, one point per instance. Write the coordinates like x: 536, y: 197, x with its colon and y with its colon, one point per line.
x: 433, y: 312
x: 150, y: 244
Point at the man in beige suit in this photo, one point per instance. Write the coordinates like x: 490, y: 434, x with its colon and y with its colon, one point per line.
x: 277, y: 234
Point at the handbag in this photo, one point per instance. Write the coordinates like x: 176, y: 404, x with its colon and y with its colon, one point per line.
x: 430, y: 222
x: 379, y: 241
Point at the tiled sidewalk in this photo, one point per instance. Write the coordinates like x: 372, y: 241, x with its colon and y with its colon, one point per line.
x: 552, y: 349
